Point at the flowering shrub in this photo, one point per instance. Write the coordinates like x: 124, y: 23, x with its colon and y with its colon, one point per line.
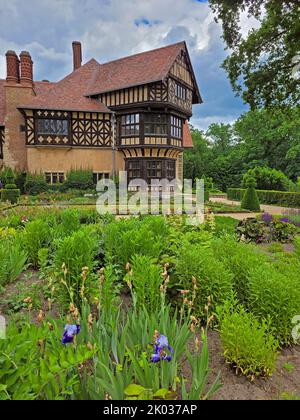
x: 266, y: 229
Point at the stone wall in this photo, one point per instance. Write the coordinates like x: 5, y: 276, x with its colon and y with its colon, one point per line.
x: 49, y: 159
x: 14, y: 150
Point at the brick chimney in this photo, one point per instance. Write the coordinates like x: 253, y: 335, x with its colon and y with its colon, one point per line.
x: 77, y: 55
x: 12, y: 64
x: 26, y: 68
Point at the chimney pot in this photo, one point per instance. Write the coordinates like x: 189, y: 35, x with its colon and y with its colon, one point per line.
x: 26, y: 68
x: 12, y: 65
x: 77, y: 54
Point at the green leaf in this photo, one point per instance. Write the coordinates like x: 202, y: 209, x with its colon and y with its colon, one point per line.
x: 134, y: 390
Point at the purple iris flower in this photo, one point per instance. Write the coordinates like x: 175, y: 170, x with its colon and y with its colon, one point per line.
x: 285, y: 220
x: 160, y: 346
x: 267, y: 218
x: 69, y: 333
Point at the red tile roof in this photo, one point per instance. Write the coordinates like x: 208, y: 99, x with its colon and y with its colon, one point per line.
x: 2, y: 102
x: 138, y: 69
x: 72, y: 93
x: 41, y: 88
x: 68, y: 94
x: 187, y: 136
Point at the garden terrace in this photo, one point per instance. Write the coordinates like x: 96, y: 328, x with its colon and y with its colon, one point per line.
x: 169, y: 278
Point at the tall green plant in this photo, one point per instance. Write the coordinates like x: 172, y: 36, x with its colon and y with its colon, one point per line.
x: 35, y: 237
x: 74, y: 259
x: 34, y: 365
x: 13, y: 260
x: 212, y: 277
x: 274, y: 293
x: 247, y: 343
x: 125, y: 238
x: 145, y: 280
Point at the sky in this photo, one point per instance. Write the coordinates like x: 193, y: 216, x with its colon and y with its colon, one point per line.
x: 110, y: 29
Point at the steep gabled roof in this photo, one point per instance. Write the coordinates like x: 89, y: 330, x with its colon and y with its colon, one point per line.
x: 75, y: 92
x: 2, y: 102
x: 68, y: 94
x: 134, y: 70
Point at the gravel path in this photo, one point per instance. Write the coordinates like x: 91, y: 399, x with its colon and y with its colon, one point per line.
x: 274, y: 210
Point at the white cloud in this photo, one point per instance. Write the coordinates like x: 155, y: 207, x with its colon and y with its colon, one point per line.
x: 2, y: 66
x: 204, y: 122
x: 108, y: 31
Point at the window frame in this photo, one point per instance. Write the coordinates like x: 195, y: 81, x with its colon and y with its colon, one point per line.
x: 51, y: 132
x: 176, y: 127
x: 130, y: 125
x: 152, y: 172
x: 134, y: 169
x: 98, y: 176
x: 58, y: 176
x: 180, y: 91
x: 171, y: 169
x: 152, y: 121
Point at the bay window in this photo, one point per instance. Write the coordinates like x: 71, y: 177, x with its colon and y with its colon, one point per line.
x: 130, y: 125
x: 156, y: 124
x: 176, y: 127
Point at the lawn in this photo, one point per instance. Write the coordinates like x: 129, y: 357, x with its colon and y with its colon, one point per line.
x: 149, y: 307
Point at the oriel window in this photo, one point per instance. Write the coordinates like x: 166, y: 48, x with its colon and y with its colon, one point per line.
x: 176, y: 127
x: 130, y: 125
x: 156, y: 124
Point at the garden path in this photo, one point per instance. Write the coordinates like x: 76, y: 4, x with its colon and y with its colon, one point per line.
x: 274, y: 210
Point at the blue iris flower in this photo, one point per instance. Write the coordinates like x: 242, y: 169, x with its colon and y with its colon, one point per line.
x: 69, y: 333
x: 160, y: 346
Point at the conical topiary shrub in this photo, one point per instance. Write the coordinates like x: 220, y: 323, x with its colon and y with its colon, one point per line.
x: 250, y: 200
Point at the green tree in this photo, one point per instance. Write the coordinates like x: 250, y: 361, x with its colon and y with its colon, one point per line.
x: 222, y: 137
x: 268, y: 179
x: 196, y: 160
x: 261, y: 66
x: 270, y: 138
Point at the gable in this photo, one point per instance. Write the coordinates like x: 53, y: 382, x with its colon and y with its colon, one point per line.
x: 136, y: 70
x: 182, y: 70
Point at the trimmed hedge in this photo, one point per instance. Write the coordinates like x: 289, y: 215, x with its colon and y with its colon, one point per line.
x: 81, y: 179
x: 280, y: 198
x: 10, y: 193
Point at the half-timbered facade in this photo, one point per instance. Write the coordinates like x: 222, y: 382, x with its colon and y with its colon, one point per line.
x: 129, y: 114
